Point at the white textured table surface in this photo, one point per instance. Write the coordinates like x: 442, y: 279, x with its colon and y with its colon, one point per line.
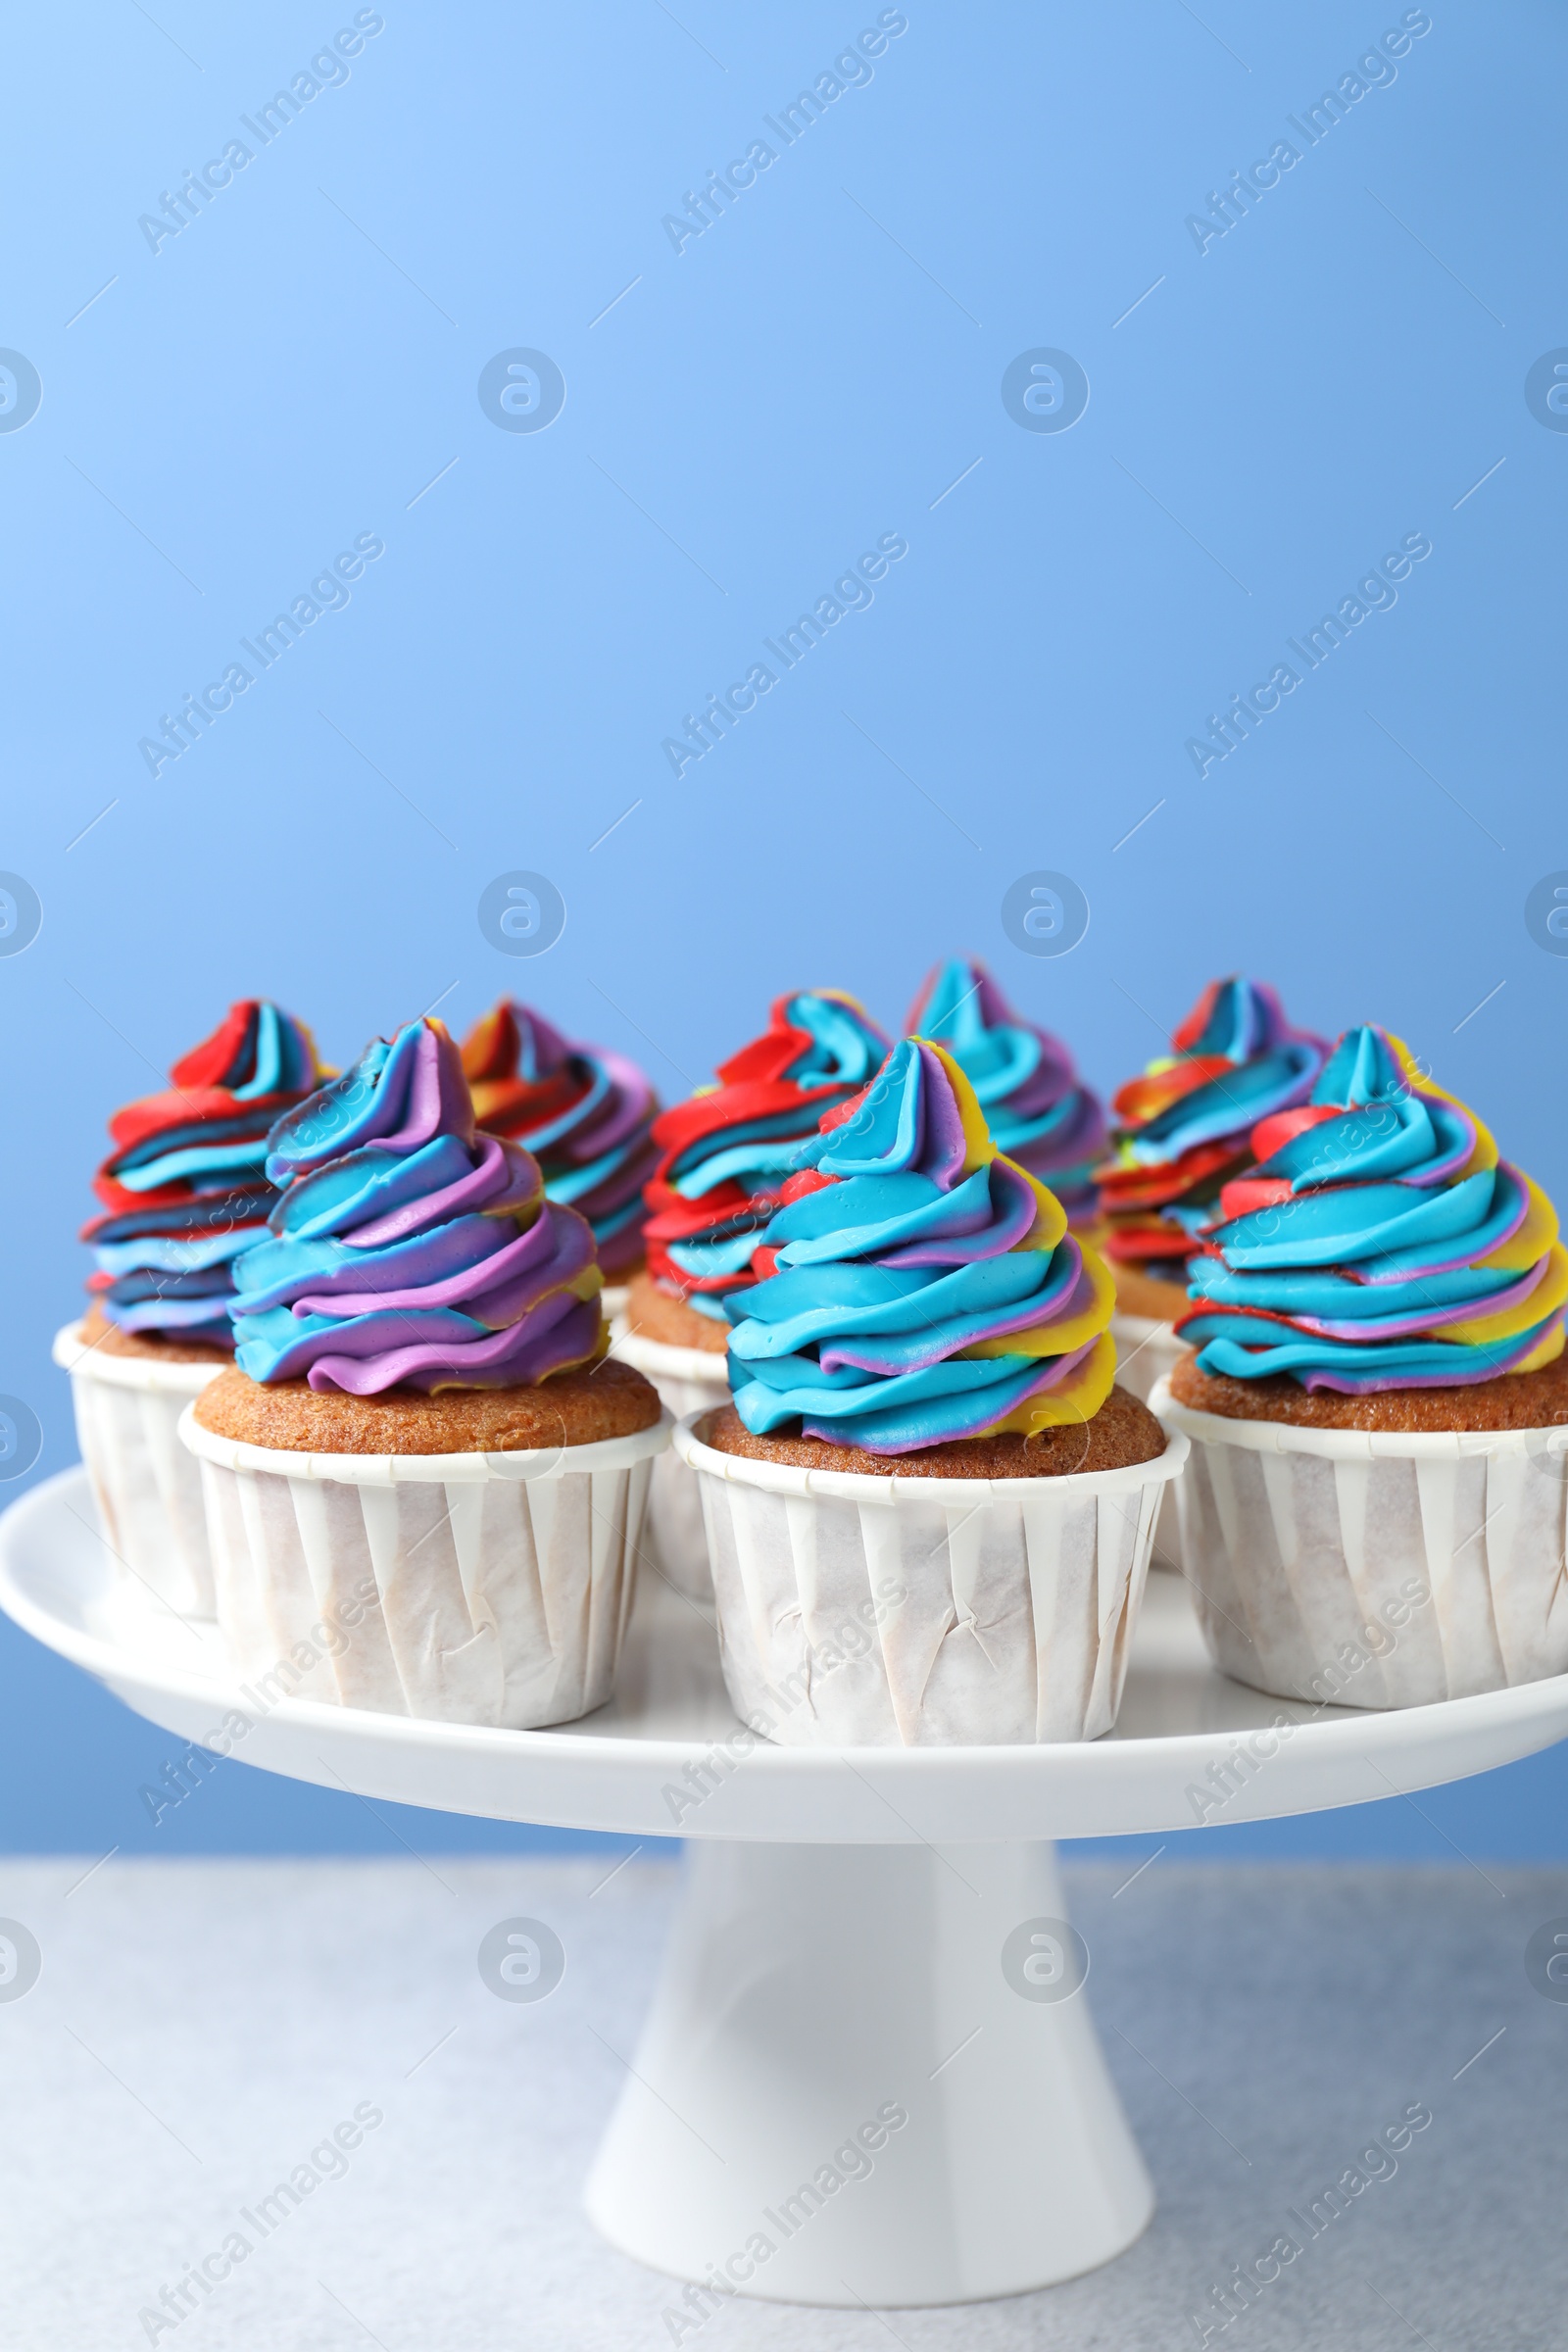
x: 199, y: 2028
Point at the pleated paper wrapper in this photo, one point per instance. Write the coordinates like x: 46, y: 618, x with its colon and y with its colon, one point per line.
x: 147, y: 1488
x: 689, y: 1380
x: 460, y: 1588
x: 920, y: 1612
x: 1147, y: 1352
x: 1375, y: 1568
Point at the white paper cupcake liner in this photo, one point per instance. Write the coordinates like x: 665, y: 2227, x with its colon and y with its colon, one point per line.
x: 1147, y: 1352
x: 462, y: 1588
x: 924, y: 1612
x: 147, y: 1488
x: 1375, y: 1568
x: 689, y: 1380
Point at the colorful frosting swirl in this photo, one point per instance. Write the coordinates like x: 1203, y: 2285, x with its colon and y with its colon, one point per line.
x: 724, y: 1153
x: 582, y: 1112
x: 1184, y: 1124
x: 1380, y: 1243
x: 915, y: 1285
x: 184, y: 1188
x: 1038, y: 1110
x: 408, y: 1249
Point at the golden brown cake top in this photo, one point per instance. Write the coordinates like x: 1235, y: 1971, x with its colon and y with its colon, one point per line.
x: 1140, y: 1293
x: 154, y: 1347
x: 571, y: 1408
x: 1512, y: 1400
x: 1123, y: 1432
x: 654, y: 1314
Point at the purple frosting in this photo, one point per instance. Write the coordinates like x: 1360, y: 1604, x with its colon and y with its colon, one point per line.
x: 407, y: 1250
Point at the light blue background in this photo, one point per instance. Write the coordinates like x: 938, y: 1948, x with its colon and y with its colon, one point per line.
x: 815, y: 370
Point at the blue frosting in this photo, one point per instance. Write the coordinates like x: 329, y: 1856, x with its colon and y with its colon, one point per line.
x: 917, y: 1286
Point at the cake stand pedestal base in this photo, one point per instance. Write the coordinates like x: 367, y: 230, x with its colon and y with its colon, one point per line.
x: 869, y: 2076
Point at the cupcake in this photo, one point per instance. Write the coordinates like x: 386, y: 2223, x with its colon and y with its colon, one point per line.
x: 928, y: 1507
x: 582, y: 1112
x: 183, y: 1191
x: 722, y: 1158
x: 1183, y: 1127
x: 1038, y: 1110
x: 422, y: 1450
x: 1374, y: 1510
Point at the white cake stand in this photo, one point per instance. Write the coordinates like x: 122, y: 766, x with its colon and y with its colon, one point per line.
x: 870, y: 2075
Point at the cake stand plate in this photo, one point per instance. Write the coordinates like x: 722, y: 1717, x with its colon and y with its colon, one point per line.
x: 870, y: 2075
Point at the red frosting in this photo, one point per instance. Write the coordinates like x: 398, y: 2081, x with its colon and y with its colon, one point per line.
x: 753, y: 1087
